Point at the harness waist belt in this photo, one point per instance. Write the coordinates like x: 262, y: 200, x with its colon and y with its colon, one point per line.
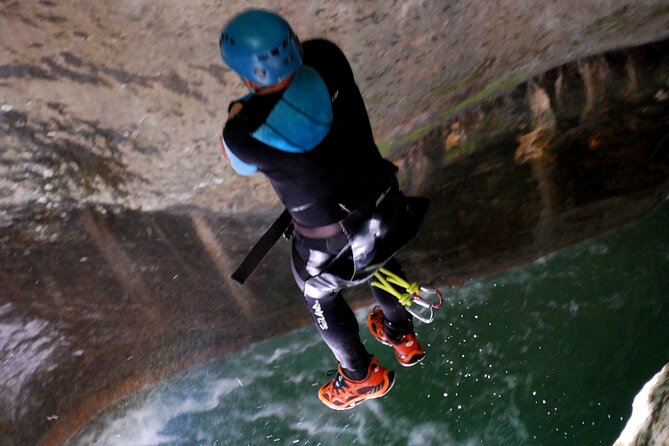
x: 319, y: 232
x: 349, y: 223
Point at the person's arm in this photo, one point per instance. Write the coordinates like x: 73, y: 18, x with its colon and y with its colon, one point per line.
x: 241, y: 167
x: 330, y: 62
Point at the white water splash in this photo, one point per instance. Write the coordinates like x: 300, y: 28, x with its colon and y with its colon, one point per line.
x: 26, y: 347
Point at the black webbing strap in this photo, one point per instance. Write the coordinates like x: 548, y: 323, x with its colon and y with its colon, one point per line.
x: 262, y: 247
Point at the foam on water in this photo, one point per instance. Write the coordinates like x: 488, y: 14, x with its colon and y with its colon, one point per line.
x: 27, y: 346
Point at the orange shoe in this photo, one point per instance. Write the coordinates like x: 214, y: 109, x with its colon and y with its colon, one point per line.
x: 407, y: 350
x: 342, y: 393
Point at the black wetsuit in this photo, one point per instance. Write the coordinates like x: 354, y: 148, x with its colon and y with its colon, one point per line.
x: 345, y: 167
x: 320, y: 187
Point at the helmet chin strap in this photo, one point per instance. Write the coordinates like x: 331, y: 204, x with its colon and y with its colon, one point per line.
x: 252, y: 86
x: 258, y: 89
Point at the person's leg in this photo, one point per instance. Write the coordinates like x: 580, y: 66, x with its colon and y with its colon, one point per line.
x: 391, y: 324
x: 333, y: 317
x: 337, y: 325
x: 397, y: 319
x: 359, y: 376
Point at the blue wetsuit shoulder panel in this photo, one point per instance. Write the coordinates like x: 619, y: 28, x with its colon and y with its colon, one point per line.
x: 302, y: 118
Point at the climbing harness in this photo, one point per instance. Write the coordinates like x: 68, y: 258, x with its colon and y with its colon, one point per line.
x: 413, y: 294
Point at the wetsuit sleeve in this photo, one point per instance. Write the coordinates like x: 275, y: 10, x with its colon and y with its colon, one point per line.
x: 351, y: 117
x: 237, y: 164
x: 246, y: 153
x: 330, y: 62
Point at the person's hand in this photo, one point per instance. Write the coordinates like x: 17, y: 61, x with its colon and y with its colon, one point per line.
x: 236, y: 108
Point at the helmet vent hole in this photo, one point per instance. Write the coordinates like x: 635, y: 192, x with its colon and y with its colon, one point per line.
x: 288, y: 59
x: 263, y: 57
x: 225, y: 38
x: 275, y: 52
x: 285, y: 43
x: 260, y: 73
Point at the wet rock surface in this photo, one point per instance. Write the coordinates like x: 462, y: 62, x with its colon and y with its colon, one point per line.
x: 649, y: 423
x: 109, y: 301
x: 122, y: 102
x: 120, y: 224
x: 103, y: 300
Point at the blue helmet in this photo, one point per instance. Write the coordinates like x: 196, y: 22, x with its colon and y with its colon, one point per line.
x: 260, y: 46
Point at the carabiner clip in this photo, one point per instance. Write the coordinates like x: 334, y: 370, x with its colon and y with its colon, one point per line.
x: 420, y: 317
x: 385, y: 281
x: 419, y: 300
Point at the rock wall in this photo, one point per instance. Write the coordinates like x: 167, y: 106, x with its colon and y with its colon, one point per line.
x: 122, y: 102
x: 120, y: 222
x: 649, y: 423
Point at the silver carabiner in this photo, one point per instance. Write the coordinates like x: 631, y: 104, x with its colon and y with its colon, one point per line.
x: 420, y: 301
x: 425, y: 320
x: 429, y: 292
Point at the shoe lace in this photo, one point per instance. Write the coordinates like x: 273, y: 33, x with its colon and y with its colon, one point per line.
x: 339, y: 382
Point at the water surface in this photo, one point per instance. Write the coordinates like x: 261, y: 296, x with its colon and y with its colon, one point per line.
x: 550, y: 353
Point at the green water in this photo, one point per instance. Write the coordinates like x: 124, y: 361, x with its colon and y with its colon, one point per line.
x: 550, y: 353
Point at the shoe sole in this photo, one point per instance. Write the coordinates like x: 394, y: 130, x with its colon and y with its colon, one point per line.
x: 353, y: 404
x: 411, y: 364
